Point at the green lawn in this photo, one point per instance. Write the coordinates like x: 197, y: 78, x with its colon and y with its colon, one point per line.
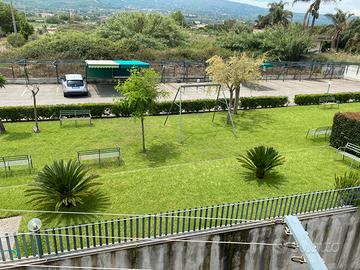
x: 203, y: 171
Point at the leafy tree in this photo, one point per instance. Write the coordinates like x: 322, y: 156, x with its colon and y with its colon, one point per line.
x: 140, y: 91
x: 239, y: 69
x: 66, y: 186
x: 2, y: 84
x: 340, y: 22
x: 53, y: 20
x: 143, y: 26
x: 15, y: 41
x: 24, y: 28
x: 313, y: 10
x: 69, y: 45
x: 279, y: 42
x: 179, y: 18
x: 287, y: 43
x: 261, y: 160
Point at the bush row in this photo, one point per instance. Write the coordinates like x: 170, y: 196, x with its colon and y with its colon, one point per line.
x: 346, y: 128
x: 311, y: 99
x: 121, y: 110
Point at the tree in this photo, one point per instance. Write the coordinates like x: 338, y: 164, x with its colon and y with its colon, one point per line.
x: 2, y: 84
x: 34, y: 89
x: 66, y: 186
x: 25, y: 28
x: 277, y: 15
x: 313, y: 10
x: 238, y: 69
x: 340, y: 22
x: 145, y: 27
x: 140, y: 91
x: 179, y: 18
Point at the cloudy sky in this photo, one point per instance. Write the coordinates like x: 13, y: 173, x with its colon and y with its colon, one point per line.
x: 347, y: 5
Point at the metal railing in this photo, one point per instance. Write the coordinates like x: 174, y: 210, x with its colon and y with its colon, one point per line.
x: 61, y: 240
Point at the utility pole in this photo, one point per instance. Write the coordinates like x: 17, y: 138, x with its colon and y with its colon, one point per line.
x: 13, y: 19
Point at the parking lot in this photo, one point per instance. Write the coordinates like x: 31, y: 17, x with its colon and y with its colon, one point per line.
x: 18, y: 95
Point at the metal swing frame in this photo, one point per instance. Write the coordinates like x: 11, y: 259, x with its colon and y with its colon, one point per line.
x: 178, y: 102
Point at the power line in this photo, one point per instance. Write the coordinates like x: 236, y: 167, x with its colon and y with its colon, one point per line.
x: 162, y: 239
x: 72, y: 267
x: 132, y: 216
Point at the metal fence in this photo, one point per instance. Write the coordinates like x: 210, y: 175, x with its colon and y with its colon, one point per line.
x: 172, y: 71
x: 117, y: 231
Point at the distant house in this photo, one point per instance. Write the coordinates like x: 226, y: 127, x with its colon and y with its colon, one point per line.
x: 198, y: 25
x: 45, y: 14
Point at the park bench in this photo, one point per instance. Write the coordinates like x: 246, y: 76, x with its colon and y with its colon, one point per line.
x: 74, y: 115
x: 316, y: 132
x: 328, y: 102
x: 99, y: 154
x: 9, y: 161
x: 351, y: 151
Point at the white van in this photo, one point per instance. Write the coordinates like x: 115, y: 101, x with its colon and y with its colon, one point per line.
x: 74, y: 85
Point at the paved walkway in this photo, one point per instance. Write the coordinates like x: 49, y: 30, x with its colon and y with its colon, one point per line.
x: 16, y: 95
x: 9, y: 225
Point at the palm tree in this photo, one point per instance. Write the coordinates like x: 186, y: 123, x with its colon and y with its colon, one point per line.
x: 278, y: 14
x: 63, y: 186
x: 340, y: 21
x: 2, y: 84
x: 313, y: 10
x: 261, y: 159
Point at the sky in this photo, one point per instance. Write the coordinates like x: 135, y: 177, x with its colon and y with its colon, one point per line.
x: 346, y: 5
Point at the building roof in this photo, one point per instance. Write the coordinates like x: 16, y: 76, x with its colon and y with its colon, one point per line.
x: 101, y: 64
x: 116, y: 64
x: 131, y: 63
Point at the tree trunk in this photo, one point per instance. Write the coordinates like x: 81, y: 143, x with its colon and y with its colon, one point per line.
x: 2, y: 127
x: 237, y: 100
x: 36, y: 127
x: 231, y: 100
x: 143, y: 134
x: 305, y: 24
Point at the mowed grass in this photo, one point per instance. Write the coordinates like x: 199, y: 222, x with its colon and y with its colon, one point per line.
x: 203, y: 171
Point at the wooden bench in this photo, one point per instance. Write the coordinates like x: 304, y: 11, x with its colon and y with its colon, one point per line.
x: 9, y: 161
x: 316, y: 132
x: 351, y: 151
x: 329, y: 101
x: 74, y: 115
x: 99, y: 154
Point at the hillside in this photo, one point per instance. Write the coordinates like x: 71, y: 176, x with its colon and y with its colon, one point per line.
x: 207, y: 10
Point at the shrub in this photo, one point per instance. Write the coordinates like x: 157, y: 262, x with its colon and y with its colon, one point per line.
x: 313, y: 99
x: 66, y: 187
x: 263, y: 102
x: 348, y: 180
x: 261, y: 160
x: 346, y: 128
x: 121, y: 109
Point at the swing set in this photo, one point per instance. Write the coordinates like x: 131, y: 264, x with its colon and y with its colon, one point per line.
x: 177, y: 101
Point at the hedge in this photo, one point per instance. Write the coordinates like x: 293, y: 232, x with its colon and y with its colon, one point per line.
x: 312, y: 99
x: 122, y: 110
x: 346, y: 128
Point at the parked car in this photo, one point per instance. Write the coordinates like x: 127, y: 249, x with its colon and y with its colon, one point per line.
x: 74, y: 85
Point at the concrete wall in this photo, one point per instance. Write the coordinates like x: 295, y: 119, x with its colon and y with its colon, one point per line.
x: 336, y: 236
x: 352, y: 73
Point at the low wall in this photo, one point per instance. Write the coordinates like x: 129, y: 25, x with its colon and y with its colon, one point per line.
x: 352, y: 73
x: 336, y: 235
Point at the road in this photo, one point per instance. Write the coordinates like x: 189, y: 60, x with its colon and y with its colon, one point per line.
x: 17, y: 95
